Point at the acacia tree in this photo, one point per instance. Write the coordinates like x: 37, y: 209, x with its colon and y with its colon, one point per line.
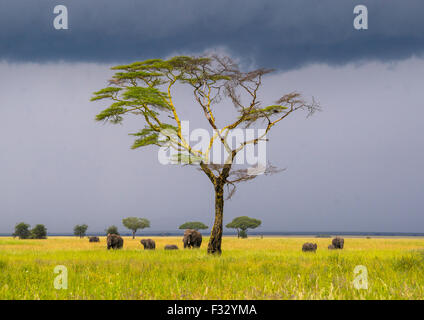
x: 145, y: 89
x: 80, y: 230
x: 134, y: 223
x: 241, y: 224
x: 193, y: 225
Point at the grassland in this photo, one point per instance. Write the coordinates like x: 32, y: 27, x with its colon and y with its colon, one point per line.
x: 254, y: 268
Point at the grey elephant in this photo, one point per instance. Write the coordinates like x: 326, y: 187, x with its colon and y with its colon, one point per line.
x: 192, y: 239
x: 331, y: 247
x: 93, y: 239
x: 171, y: 247
x: 148, y: 244
x: 338, y: 243
x: 309, y: 247
x: 114, y: 241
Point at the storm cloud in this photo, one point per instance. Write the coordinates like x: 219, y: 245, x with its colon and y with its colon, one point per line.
x: 280, y: 34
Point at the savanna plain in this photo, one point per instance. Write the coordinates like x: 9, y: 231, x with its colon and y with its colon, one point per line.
x: 253, y: 268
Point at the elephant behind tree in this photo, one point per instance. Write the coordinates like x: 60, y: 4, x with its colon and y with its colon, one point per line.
x: 192, y: 239
x: 148, y: 244
x: 114, y: 241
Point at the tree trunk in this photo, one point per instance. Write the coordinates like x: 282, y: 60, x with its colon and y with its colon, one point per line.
x: 133, y: 234
x: 215, y: 240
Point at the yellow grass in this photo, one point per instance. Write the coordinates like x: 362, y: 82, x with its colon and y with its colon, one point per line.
x: 254, y: 268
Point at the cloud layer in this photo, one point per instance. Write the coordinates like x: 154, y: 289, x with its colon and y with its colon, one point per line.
x: 282, y: 34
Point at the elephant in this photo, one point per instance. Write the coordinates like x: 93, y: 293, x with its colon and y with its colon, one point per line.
x: 114, y: 241
x: 331, y: 247
x: 148, y: 244
x: 171, y: 247
x: 309, y: 247
x: 93, y: 239
x: 338, y: 243
x: 192, y: 239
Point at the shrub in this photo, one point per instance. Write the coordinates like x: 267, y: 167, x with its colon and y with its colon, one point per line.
x: 22, y: 231
x: 39, y: 232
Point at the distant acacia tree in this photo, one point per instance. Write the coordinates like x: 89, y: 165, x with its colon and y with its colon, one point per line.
x: 241, y: 224
x: 145, y: 90
x: 133, y: 224
x: 22, y: 231
x: 193, y: 225
x: 39, y: 232
x: 112, y: 230
x: 80, y: 230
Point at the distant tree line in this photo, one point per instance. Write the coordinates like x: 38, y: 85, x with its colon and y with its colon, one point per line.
x: 22, y: 231
x: 241, y: 224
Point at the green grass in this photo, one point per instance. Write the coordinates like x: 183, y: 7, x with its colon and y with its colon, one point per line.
x: 253, y: 268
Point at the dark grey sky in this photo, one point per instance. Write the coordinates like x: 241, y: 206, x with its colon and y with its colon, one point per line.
x: 275, y: 33
x: 356, y: 166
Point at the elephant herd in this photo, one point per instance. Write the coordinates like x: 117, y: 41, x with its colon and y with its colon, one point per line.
x: 337, y: 243
x: 191, y: 239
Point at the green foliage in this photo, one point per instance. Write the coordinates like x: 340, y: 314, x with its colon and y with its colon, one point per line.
x: 112, y: 114
x: 256, y: 114
x: 145, y: 137
x: 112, y: 230
x: 243, y: 234
x: 80, y: 230
x: 39, y: 232
x: 193, y: 225
x: 145, y: 97
x: 105, y: 93
x: 134, y: 223
x: 243, y: 223
x: 136, y: 89
x: 186, y: 158
x: 149, y: 136
x: 22, y: 231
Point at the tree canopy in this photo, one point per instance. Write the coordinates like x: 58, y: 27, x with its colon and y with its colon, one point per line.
x: 22, y: 231
x: 39, y: 232
x: 193, y: 225
x: 242, y: 224
x: 80, y: 230
x: 134, y: 223
x: 112, y: 230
